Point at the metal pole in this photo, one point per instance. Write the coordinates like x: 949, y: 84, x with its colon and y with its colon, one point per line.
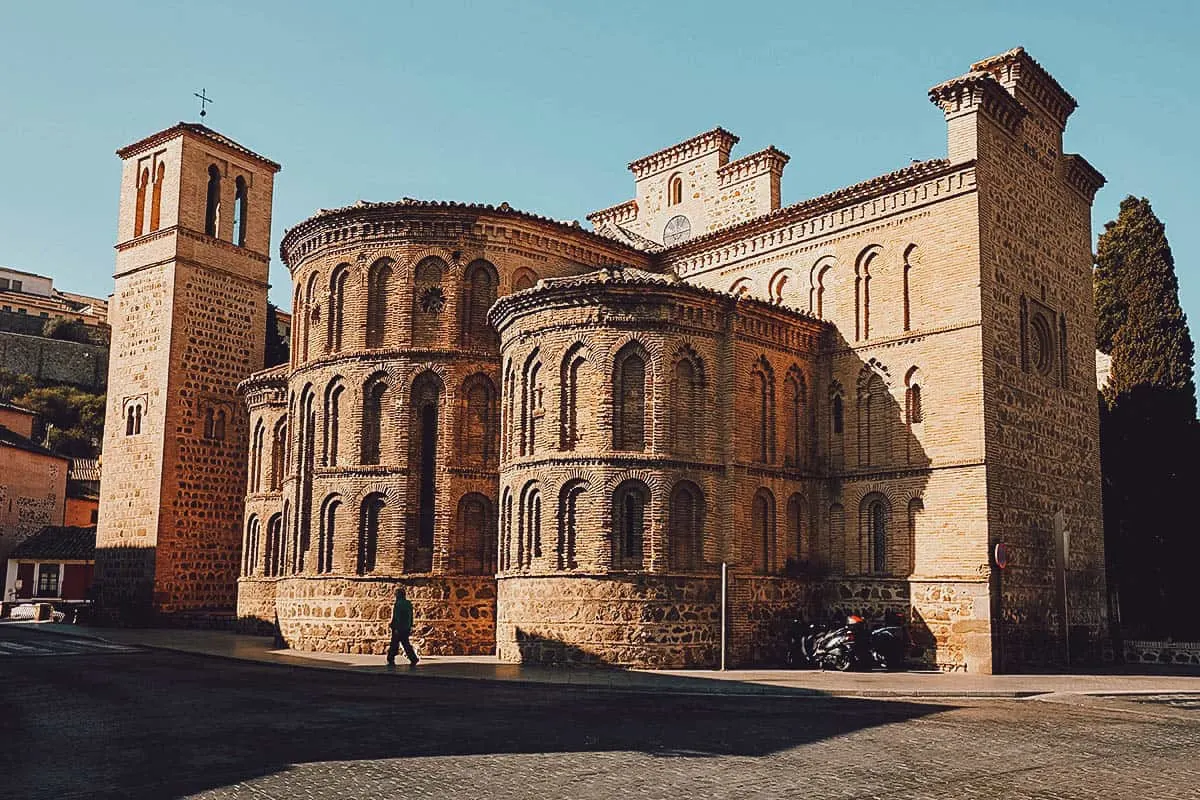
x: 724, y: 612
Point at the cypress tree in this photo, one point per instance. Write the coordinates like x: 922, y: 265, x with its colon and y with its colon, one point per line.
x: 1148, y: 428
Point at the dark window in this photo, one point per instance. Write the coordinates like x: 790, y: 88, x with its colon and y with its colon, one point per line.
x: 47, y: 585
x: 629, y: 400
x: 368, y: 532
x: 877, y: 536
x: 629, y: 524
x: 239, y: 212
x: 212, y: 206
x: 327, y: 536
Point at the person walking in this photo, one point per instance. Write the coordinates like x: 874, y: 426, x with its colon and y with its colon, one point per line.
x: 402, y: 622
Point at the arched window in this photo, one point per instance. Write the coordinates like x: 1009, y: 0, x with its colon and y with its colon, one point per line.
x: 909, y: 259
x: 327, y: 535
x: 379, y: 281
x: 795, y: 403
x: 686, y: 527
x: 570, y: 374
x: 874, y: 521
x: 337, y: 307
x: 212, y: 206
x: 274, y: 565
x: 133, y: 419
x: 510, y: 407
x: 874, y: 422
x: 374, y: 393
x: 250, y: 549
x: 279, y: 445
x: 916, y: 414
x: 569, y: 500
x: 506, y: 529
x: 629, y: 524
x: 309, y: 322
x: 479, y: 421
x: 531, y: 403
x: 675, y: 190
x: 795, y: 527
x: 333, y: 421
x: 219, y: 426
x: 428, y: 302
x: 862, y: 293
x: 477, y: 534
x: 307, y: 454
x: 763, y: 380
x: 838, y: 415
x: 156, y: 197
x: 687, y: 403
x: 479, y: 293
x: 371, y: 519
x: 762, y: 527
x: 425, y: 410
x: 822, y: 282
x: 629, y: 398
x: 257, y: 442
x: 239, y: 212
x: 529, y: 545
x: 139, y: 211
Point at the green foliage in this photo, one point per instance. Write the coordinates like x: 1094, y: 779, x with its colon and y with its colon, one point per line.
x: 71, y: 330
x: 70, y: 421
x: 1148, y: 432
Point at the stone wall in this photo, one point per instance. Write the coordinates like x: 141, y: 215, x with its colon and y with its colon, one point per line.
x: 635, y: 620
x: 452, y: 615
x: 55, y: 360
x: 1162, y: 653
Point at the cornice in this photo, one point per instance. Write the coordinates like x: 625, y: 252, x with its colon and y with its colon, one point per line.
x: 764, y: 161
x: 978, y: 91
x: 896, y: 192
x: 716, y: 140
x: 615, y: 215
x: 1082, y: 176
x: 200, y: 131
x: 378, y: 223
x: 1017, y: 70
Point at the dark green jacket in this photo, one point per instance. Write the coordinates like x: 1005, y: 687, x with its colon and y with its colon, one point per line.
x: 402, y: 615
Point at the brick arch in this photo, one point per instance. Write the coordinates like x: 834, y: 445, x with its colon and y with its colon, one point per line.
x: 652, y: 344
x: 454, y: 267
x: 394, y: 494
x: 777, y: 286
x: 439, y: 369
x: 817, y: 302
x: 517, y: 275
x: 743, y: 285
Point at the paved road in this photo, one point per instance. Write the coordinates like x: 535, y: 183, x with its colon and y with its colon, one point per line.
x: 167, y: 725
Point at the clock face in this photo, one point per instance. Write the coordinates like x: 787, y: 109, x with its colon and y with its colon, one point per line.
x: 678, y: 230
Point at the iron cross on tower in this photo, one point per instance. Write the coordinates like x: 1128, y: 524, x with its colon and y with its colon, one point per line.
x: 204, y: 100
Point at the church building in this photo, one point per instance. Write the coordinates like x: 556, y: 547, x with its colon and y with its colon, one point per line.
x: 554, y: 437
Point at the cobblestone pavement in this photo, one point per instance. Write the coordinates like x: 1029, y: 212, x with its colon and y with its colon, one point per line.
x: 167, y: 725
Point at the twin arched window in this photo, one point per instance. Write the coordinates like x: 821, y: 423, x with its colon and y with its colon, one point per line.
x: 133, y: 418
x: 337, y: 307
x: 214, y: 424
x: 763, y: 380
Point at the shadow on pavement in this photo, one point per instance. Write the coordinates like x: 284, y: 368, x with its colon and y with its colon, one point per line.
x: 159, y: 724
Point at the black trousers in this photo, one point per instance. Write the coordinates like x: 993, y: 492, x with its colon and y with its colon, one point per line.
x: 401, y: 638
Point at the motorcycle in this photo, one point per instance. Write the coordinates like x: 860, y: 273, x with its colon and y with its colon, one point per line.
x: 842, y: 648
x: 853, y: 645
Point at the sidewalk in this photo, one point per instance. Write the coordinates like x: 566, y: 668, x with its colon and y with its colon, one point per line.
x: 732, y: 682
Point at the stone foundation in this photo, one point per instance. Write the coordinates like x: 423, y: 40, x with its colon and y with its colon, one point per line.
x: 453, y: 614
x: 760, y: 611
x: 633, y: 621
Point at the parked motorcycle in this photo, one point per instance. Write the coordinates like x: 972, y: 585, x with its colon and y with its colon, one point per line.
x: 853, y: 645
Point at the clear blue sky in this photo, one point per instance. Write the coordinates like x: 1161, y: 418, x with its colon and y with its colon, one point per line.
x: 542, y: 104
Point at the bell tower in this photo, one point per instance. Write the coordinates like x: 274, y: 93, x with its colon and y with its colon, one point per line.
x: 188, y: 316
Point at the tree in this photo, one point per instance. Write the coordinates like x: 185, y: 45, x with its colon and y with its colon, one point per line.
x: 1148, y: 429
x: 71, y: 330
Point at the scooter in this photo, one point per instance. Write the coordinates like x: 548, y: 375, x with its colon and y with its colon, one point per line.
x: 842, y: 648
x: 889, y: 642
